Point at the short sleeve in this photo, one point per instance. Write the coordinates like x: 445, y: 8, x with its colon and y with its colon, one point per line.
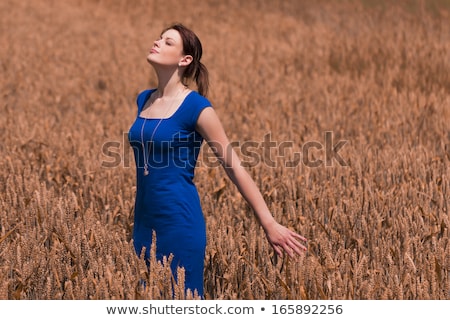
x: 200, y: 103
x: 142, y: 98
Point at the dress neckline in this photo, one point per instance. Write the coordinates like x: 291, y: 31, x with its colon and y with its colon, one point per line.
x: 169, y: 117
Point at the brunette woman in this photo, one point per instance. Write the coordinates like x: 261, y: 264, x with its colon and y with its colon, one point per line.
x: 172, y: 122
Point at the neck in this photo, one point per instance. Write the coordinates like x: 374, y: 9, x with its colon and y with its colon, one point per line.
x: 169, y: 84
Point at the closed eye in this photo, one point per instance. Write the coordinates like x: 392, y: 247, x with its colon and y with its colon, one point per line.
x: 169, y: 41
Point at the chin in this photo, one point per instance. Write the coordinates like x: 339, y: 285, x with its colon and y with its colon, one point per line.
x: 151, y: 59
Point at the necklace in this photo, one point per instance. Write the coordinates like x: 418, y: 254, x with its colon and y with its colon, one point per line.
x: 146, y: 172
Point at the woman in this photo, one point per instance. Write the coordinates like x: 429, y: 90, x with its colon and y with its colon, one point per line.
x: 166, y: 136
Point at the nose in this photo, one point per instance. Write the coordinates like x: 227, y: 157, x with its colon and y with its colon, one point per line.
x: 156, y: 43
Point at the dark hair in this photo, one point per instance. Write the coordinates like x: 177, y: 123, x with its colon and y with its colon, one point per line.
x: 193, y: 47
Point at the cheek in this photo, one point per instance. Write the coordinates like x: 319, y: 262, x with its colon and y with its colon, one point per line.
x: 173, y: 54
x: 167, y: 56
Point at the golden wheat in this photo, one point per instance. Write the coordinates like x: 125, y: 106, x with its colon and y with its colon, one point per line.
x: 374, y: 75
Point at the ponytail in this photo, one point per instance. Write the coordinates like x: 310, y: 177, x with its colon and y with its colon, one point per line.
x: 202, y: 79
x: 195, y: 70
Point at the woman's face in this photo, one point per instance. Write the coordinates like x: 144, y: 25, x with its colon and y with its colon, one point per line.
x: 167, y: 50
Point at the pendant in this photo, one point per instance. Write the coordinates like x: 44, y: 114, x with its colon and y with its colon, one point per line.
x: 145, y: 172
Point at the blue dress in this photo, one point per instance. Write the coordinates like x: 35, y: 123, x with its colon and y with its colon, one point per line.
x: 167, y: 200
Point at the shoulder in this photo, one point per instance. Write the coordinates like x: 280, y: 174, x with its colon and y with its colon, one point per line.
x: 143, y: 96
x: 195, y: 104
x: 199, y: 100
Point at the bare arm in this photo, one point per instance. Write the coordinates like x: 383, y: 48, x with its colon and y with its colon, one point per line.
x: 280, y: 237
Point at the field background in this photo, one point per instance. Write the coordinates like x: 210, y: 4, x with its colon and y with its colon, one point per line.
x: 374, y: 74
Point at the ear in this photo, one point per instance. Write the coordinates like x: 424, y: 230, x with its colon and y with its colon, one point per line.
x: 185, y: 61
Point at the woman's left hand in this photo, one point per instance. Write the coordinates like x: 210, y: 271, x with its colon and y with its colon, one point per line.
x: 284, y: 239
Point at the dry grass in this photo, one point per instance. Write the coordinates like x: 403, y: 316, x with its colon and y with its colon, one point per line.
x: 374, y: 75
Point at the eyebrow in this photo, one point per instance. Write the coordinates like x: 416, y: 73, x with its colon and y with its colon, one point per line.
x: 167, y: 38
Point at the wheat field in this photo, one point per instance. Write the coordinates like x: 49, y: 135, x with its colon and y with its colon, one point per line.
x: 370, y: 75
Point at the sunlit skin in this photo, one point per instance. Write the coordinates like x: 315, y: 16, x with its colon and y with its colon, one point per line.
x: 167, y: 51
x: 167, y: 58
x: 169, y: 62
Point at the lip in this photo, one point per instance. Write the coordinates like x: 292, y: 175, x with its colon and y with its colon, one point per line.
x: 154, y: 51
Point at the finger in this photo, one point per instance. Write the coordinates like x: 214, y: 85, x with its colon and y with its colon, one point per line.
x: 277, y: 250
x: 297, y: 246
x: 289, y: 249
x: 302, y: 246
x: 300, y: 237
